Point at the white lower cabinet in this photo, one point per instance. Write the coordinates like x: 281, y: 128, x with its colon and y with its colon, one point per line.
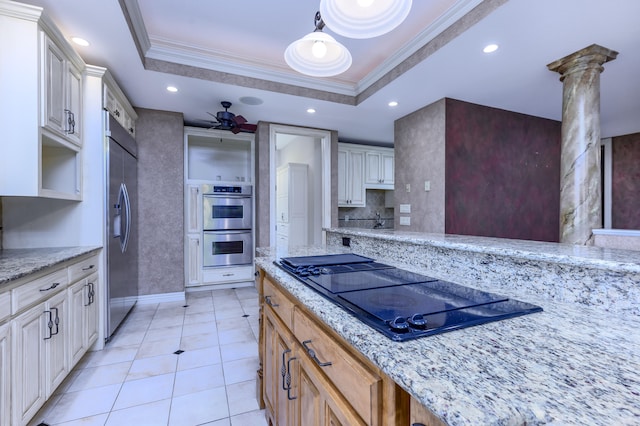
x: 29, y: 374
x: 53, y: 326
x: 83, y: 318
x: 5, y: 374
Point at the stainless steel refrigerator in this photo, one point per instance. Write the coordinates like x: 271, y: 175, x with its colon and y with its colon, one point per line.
x: 121, y: 215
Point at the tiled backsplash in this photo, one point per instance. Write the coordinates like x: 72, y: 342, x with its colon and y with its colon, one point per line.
x: 365, y: 217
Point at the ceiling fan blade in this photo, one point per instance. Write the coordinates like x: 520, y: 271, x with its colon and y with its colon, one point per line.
x: 239, y: 120
x: 249, y: 127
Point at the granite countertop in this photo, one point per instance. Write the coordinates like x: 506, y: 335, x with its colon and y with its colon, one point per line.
x: 576, y: 255
x: 570, y: 365
x: 17, y: 263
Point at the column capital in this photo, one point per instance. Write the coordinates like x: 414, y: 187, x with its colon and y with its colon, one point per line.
x: 591, y: 57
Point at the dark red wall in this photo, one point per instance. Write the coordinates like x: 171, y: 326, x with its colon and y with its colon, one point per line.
x: 625, y: 182
x: 502, y: 175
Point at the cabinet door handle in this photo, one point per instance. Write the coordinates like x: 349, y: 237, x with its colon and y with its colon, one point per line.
x: 88, y: 268
x: 289, y: 397
x: 90, y: 294
x: 283, y: 369
x: 56, y: 322
x: 51, y: 287
x: 71, y: 122
x: 313, y: 356
x: 268, y: 301
x: 49, y: 325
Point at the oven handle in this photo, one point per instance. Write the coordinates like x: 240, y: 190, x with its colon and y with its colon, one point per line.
x: 222, y: 231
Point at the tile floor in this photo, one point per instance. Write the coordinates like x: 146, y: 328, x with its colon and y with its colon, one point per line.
x: 137, y: 379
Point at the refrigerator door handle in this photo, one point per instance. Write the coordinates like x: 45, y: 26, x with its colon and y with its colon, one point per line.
x: 124, y: 241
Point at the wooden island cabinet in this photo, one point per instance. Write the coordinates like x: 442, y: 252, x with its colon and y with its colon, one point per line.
x: 311, y: 376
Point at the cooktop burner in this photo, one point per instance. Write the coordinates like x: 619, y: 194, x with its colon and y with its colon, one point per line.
x: 401, y: 304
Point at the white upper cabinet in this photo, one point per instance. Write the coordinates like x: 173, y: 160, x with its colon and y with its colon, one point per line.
x: 351, y: 189
x: 40, y: 106
x: 379, y: 168
x: 61, y: 92
x: 118, y: 106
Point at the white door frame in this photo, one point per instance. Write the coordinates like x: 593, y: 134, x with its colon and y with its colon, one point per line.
x: 325, y: 140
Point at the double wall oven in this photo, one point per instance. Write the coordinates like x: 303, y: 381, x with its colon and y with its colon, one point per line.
x: 227, y: 225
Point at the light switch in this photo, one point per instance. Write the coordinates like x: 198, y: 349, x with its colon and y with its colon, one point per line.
x: 408, y: 187
x: 427, y: 185
x: 405, y: 220
x: 405, y: 208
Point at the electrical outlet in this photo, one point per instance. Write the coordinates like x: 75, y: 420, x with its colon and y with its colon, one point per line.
x: 427, y: 185
x: 408, y: 187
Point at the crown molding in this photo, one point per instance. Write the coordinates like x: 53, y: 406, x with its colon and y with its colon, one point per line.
x: 452, y: 15
x: 186, y: 54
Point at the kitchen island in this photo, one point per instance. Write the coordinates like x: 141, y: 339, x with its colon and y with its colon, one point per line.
x: 573, y: 363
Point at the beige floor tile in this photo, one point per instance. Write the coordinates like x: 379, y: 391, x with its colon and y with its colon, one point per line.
x: 198, y: 379
x: 151, y: 414
x: 89, y: 402
x: 157, y: 348
x: 242, y: 397
x: 153, y: 366
x: 143, y: 391
x: 198, y: 408
x: 199, y: 341
x: 240, y: 371
x: 96, y: 377
x: 235, y: 351
x: 252, y: 418
x: 199, y: 358
x: 98, y: 420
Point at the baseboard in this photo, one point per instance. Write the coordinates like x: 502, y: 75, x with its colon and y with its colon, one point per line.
x: 147, y: 299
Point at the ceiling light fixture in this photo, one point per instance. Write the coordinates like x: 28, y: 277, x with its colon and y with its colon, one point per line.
x: 318, y: 54
x: 490, y: 48
x: 172, y: 89
x: 80, y: 41
x: 311, y: 110
x: 393, y: 103
x: 364, y: 18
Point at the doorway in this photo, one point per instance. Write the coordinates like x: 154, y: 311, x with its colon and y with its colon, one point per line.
x: 306, y: 153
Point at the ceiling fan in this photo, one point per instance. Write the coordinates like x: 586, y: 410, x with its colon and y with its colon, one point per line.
x: 229, y: 121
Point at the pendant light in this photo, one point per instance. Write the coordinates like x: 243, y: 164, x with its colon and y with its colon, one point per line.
x: 363, y: 18
x: 318, y: 54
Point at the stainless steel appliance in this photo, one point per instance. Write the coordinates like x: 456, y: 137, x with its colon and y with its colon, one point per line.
x: 226, y: 207
x: 121, y: 205
x: 228, y: 248
x: 400, y: 304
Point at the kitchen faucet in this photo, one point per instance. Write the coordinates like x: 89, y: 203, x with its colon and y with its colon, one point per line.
x: 379, y: 223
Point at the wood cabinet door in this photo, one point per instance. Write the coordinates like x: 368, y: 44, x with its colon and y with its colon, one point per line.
x: 28, y: 378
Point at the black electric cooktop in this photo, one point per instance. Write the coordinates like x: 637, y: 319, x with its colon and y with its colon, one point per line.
x: 400, y: 304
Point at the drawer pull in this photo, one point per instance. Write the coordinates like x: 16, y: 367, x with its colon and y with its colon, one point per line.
x: 268, y: 301
x: 313, y: 356
x: 54, y: 285
x: 228, y: 275
x: 88, y: 268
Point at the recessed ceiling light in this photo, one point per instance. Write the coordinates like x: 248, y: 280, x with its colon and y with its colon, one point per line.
x: 172, y: 89
x: 251, y: 100
x: 311, y: 110
x: 490, y: 48
x: 80, y: 41
x: 393, y: 103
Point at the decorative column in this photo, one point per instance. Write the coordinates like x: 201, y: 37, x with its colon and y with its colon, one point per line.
x: 580, y: 189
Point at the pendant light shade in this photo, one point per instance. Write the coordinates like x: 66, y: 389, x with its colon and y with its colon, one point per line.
x: 318, y: 54
x: 363, y: 18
